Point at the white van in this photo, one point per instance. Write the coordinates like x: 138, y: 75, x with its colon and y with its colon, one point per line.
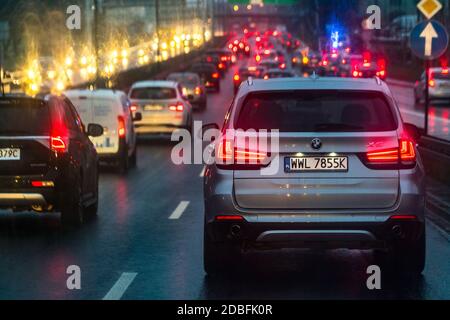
x: 111, y: 109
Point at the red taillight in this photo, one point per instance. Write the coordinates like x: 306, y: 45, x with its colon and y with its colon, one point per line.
x: 432, y: 83
x: 230, y: 154
x: 121, y: 128
x: 133, y: 108
x: 283, y: 66
x: 407, y: 151
x: 58, y: 144
x: 355, y: 74
x: 179, y: 107
x: 325, y: 63
x: 221, y: 66
x: 384, y: 156
x: 215, y: 75
x: 404, y: 155
x: 258, y: 58
x: 198, y: 90
x: 236, y: 77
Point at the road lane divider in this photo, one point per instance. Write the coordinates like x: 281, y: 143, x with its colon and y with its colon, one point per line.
x: 176, y: 214
x: 120, y: 286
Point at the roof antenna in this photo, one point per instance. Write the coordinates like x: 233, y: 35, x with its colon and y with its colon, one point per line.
x: 314, y: 75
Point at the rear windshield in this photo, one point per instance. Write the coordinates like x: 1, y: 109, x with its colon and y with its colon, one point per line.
x: 153, y: 93
x: 187, y: 80
x: 441, y: 76
x: 24, y: 117
x: 316, y: 111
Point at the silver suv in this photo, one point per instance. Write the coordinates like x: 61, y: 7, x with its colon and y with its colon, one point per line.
x: 346, y: 174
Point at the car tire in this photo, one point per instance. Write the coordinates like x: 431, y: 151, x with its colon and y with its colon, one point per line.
x: 133, y: 159
x: 219, y: 259
x: 72, y: 211
x: 405, y: 257
x: 92, y: 210
x: 124, y: 162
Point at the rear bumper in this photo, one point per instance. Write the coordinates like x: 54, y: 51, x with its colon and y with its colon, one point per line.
x: 369, y: 235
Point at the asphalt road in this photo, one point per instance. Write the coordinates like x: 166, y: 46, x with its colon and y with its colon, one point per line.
x: 147, y: 244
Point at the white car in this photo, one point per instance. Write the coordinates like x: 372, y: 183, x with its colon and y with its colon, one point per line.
x: 110, y: 109
x: 439, y: 85
x: 163, y: 107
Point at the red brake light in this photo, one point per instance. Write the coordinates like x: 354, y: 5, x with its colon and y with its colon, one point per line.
x: 198, y: 90
x: 236, y: 77
x: 58, y: 144
x: 355, y: 74
x: 121, y: 128
x: 215, y: 75
x: 445, y: 71
x: 133, y: 108
x: 179, y: 107
x: 384, y: 156
x: 407, y: 151
x: 221, y: 66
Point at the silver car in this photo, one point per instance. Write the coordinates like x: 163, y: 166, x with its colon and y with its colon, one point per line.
x: 346, y: 174
x: 162, y: 105
x: 438, y: 83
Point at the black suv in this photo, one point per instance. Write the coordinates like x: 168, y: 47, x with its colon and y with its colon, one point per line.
x: 47, y: 162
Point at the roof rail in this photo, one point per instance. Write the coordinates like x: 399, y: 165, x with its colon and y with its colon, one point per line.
x: 314, y: 75
x: 378, y: 80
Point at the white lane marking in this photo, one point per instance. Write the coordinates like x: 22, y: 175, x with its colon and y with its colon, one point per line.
x: 176, y: 214
x: 202, y: 173
x: 120, y: 286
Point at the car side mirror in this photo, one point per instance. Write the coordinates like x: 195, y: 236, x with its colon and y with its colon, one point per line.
x: 137, y: 116
x: 207, y: 127
x: 413, y: 131
x: 94, y: 130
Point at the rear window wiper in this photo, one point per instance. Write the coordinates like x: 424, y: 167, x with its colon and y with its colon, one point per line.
x: 336, y: 126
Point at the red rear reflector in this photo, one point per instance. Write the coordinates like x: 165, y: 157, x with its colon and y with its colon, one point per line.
x: 121, y: 129
x: 403, y: 217
x: 229, y: 218
x: 40, y: 184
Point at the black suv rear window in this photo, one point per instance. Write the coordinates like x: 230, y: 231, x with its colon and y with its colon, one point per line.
x: 24, y: 117
x: 316, y: 111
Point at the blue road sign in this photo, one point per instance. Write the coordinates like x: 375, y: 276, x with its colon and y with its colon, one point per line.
x: 429, y: 40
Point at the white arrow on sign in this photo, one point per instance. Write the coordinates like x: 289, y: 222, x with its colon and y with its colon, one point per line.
x: 429, y: 33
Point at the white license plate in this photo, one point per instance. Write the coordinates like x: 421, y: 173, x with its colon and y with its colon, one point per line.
x: 9, y: 154
x: 153, y: 108
x: 293, y: 164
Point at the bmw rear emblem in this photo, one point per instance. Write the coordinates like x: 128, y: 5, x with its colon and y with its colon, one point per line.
x: 316, y: 144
